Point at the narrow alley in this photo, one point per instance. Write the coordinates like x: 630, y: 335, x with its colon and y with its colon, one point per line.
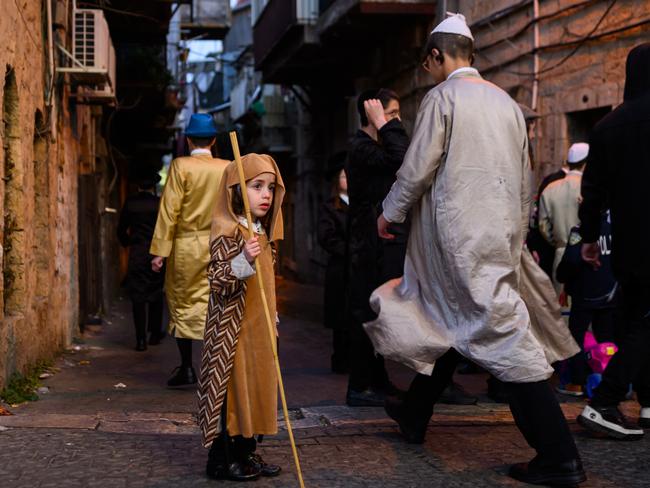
x: 108, y: 421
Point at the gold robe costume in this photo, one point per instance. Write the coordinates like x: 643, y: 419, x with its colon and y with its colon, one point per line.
x: 237, y: 361
x: 182, y: 235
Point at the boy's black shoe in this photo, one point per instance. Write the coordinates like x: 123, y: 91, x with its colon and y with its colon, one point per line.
x: 568, y: 473
x: 182, y: 376
x: 365, y: 398
x: 141, y: 345
x: 395, y: 409
x: 234, y: 471
x: 609, y: 421
x: 265, y: 469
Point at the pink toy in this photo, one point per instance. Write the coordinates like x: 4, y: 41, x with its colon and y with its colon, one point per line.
x: 598, y: 355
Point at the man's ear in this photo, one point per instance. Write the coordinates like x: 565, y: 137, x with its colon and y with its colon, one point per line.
x: 437, y: 56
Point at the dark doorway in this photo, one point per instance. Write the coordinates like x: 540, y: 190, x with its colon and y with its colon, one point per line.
x: 579, y: 124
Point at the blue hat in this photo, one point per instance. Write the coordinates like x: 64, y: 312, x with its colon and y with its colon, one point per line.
x: 201, y: 125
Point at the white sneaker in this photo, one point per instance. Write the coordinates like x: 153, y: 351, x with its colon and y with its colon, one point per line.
x: 610, y: 421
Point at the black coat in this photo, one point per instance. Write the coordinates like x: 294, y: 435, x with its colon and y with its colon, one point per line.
x: 135, y: 230
x: 618, y: 173
x: 370, y: 171
x: 332, y: 236
x: 589, y: 288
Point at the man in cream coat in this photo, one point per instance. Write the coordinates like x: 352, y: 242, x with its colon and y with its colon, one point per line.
x: 558, y: 204
x: 465, y: 178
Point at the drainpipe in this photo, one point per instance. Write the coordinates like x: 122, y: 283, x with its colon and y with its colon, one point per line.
x: 533, y: 103
x: 50, y: 95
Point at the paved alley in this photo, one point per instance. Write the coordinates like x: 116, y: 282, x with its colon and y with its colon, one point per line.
x: 108, y: 421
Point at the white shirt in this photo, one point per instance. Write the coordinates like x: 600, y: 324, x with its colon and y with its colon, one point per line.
x: 200, y: 151
x: 465, y: 69
x: 345, y: 198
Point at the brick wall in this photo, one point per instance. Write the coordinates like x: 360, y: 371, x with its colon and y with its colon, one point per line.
x: 38, y: 194
x: 578, y: 92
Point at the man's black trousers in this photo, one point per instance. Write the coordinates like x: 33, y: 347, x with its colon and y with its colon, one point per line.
x: 147, y: 315
x: 367, y: 369
x: 534, y: 407
x: 631, y: 364
x: 603, y: 326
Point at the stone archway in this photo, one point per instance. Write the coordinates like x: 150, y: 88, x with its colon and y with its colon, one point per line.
x: 13, y: 238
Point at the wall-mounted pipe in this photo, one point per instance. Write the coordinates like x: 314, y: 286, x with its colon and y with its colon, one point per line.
x: 50, y: 56
x: 533, y: 103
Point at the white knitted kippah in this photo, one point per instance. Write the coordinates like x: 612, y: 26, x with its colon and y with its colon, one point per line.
x: 454, y: 24
x: 578, y: 152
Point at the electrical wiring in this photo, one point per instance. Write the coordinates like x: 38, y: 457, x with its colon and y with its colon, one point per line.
x: 579, y: 43
x: 581, y: 5
x: 121, y: 12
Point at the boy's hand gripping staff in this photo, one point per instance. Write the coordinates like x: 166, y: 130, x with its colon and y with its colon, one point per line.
x: 269, y: 322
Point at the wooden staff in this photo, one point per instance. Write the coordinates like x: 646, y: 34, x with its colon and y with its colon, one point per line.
x: 260, y: 281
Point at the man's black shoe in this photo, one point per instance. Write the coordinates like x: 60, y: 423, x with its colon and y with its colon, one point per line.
x: 454, y: 394
x: 609, y: 421
x: 395, y: 409
x: 568, y: 473
x: 365, y: 398
x: 234, y: 471
x: 182, y: 376
x: 265, y: 469
x: 141, y: 345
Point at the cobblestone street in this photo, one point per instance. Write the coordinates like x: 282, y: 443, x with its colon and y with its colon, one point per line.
x: 89, y: 432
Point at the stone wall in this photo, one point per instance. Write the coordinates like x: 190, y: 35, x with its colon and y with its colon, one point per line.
x: 39, y: 170
x: 574, y: 90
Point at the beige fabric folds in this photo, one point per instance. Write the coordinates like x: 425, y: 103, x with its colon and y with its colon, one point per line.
x: 465, y: 180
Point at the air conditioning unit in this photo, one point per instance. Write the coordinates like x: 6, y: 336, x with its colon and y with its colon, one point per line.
x: 92, y: 61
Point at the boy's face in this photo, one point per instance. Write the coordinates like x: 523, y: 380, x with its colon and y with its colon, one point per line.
x: 343, y: 182
x: 391, y: 111
x: 260, y: 193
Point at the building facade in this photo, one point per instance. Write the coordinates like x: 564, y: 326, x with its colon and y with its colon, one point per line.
x: 46, y: 141
x: 565, y: 59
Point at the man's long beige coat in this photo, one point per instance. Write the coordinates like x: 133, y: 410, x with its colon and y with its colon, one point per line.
x: 183, y: 235
x: 465, y: 180
x: 558, y: 214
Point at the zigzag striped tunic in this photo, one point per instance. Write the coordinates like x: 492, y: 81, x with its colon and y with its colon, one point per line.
x: 237, y: 360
